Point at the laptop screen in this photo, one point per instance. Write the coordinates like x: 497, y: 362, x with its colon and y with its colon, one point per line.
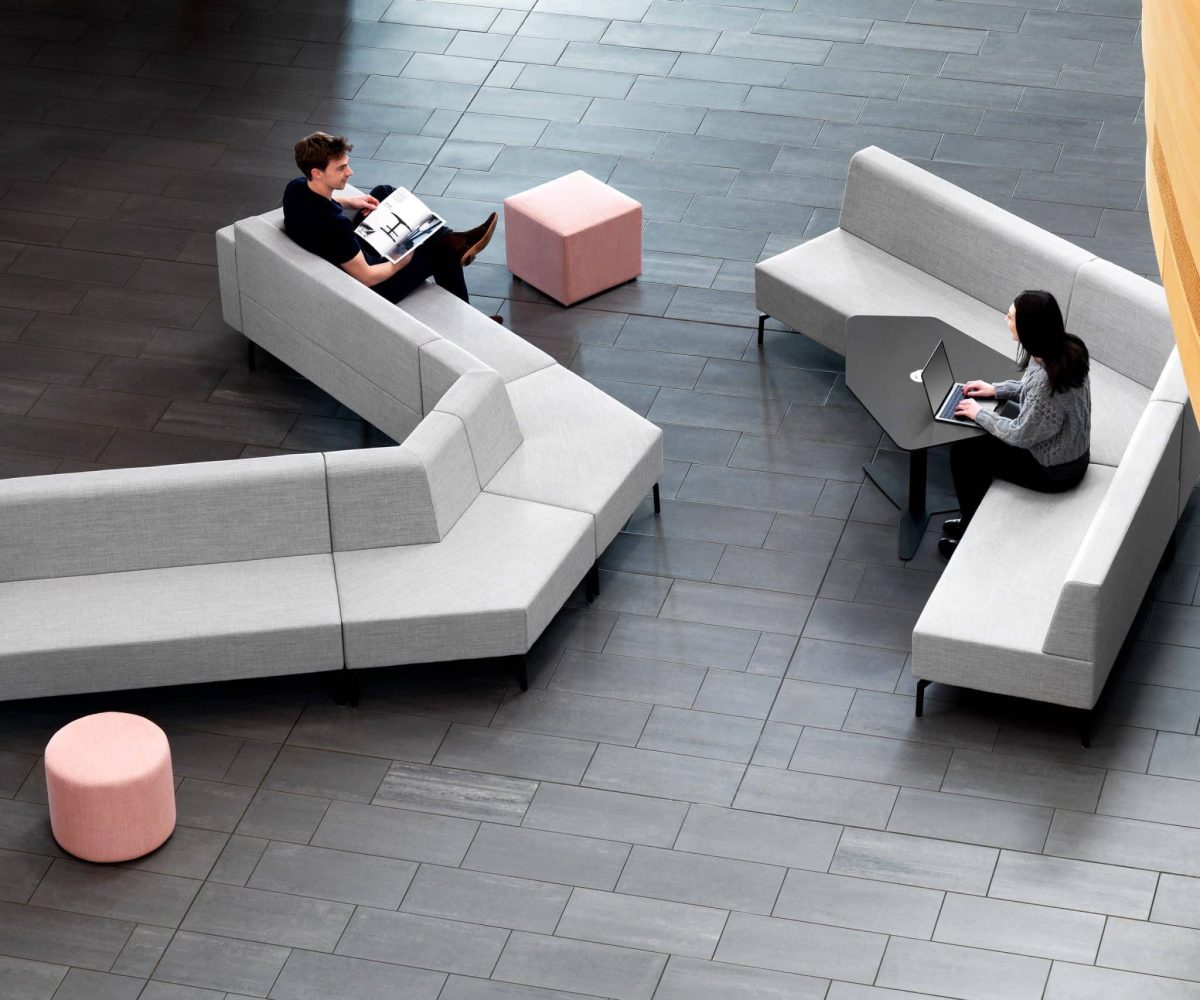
x: 937, y: 377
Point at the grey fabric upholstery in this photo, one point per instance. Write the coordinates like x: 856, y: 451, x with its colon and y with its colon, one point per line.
x: 231, y: 305
x: 488, y: 588
x: 480, y: 401
x: 953, y: 235
x: 440, y: 443
x: 442, y: 364
x: 582, y: 450
x: 182, y: 624
x: 1123, y: 319
x: 479, y: 335
x: 115, y: 520
x: 1136, y: 517
x: 379, y: 496
x: 1050, y: 625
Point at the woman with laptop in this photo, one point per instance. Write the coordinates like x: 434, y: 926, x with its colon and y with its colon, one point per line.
x: 1044, y: 446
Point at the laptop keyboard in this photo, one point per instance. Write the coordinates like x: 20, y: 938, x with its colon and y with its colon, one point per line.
x: 947, y: 410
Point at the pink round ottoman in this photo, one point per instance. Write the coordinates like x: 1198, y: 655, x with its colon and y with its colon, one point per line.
x: 108, y: 778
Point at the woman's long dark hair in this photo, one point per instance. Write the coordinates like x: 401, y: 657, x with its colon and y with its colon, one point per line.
x: 1043, y: 335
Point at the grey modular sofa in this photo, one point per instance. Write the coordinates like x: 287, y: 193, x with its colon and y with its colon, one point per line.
x: 1043, y: 589
x: 461, y: 542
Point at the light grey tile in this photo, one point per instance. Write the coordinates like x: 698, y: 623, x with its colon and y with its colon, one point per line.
x: 616, y: 816
x: 395, y: 833
x: 480, y: 897
x: 1084, y: 982
x: 878, y: 714
x: 861, y: 904
x: 808, y: 949
x: 738, y: 693
x: 682, y: 642
x: 1081, y: 885
x: 220, y: 963
x: 692, y: 979
x: 1154, y: 949
x: 970, y: 973
x: 1020, y: 928
x: 1129, y: 842
x: 666, y: 775
x: 310, y: 975
x: 919, y: 861
x: 805, y: 703
x: 817, y: 797
x: 606, y: 675
x: 1018, y: 779
x: 548, y: 857
x: 428, y: 942
x: 698, y: 878
x: 122, y: 894
x: 1149, y: 797
x: 872, y: 758
x: 701, y: 734
x: 333, y: 875
x: 454, y: 792
x: 772, y: 840
x: 520, y: 755
x: 736, y: 607
x: 1177, y: 901
x: 559, y: 713
x: 268, y: 917
x: 647, y: 924
x: 560, y: 963
x: 1011, y: 825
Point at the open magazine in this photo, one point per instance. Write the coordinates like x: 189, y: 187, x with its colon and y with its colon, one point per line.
x: 401, y: 223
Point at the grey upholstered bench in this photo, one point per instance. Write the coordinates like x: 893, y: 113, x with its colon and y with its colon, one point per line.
x: 1049, y: 626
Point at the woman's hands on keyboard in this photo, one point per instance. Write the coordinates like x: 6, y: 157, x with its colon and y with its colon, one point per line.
x: 978, y: 389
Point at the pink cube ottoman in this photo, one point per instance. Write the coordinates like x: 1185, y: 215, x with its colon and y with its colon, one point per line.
x: 108, y: 779
x: 573, y: 237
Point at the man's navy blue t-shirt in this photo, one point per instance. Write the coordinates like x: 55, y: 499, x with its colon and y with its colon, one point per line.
x: 317, y: 223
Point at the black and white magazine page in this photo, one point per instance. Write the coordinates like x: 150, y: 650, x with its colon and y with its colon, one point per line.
x: 401, y: 223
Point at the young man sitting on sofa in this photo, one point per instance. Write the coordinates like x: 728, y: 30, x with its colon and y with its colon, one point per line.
x: 313, y: 218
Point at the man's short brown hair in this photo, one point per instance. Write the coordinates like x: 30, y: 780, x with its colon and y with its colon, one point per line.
x: 314, y: 152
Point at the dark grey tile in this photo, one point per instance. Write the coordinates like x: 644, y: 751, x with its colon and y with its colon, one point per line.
x: 553, y: 963
x: 54, y: 936
x: 453, y: 792
x: 311, y: 975
x: 122, y: 894
x: 547, y: 856
x: 270, y: 917
x: 221, y: 963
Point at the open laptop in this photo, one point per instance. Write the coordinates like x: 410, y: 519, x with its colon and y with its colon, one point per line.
x: 943, y: 392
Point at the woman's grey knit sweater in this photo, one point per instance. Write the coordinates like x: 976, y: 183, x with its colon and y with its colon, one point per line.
x: 1054, y: 427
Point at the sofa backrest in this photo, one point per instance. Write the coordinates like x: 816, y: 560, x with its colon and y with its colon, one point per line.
x: 327, y: 307
x: 1123, y: 319
x: 1120, y: 551
x: 442, y: 364
x: 409, y: 494
x: 1172, y: 388
x: 116, y: 520
x: 481, y: 402
x: 976, y: 247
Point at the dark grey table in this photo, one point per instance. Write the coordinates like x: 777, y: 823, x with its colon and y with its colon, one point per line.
x: 882, y: 352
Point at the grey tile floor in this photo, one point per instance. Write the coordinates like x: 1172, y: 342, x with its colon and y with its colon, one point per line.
x: 715, y: 787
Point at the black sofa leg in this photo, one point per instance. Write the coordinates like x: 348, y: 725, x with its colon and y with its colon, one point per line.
x: 251, y: 356
x: 345, y: 687
x: 520, y: 669
x: 921, y: 686
x: 366, y: 434
x: 762, y: 319
x: 591, y: 582
x: 1085, y: 728
x: 657, y: 500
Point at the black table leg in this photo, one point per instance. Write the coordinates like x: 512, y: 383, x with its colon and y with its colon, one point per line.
x: 909, y: 497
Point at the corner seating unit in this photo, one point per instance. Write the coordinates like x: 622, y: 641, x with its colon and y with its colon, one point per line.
x: 461, y: 542
x: 1043, y: 589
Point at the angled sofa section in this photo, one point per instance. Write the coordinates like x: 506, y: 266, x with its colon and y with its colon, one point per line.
x: 1043, y: 588
x: 142, y: 577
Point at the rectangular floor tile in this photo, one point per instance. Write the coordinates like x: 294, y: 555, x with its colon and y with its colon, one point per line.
x: 697, y: 878
x: 637, y: 922
x: 808, y: 949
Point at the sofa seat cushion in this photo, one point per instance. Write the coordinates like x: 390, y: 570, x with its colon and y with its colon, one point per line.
x: 146, y: 628
x: 488, y: 588
x: 477, y: 334
x: 985, y: 624
x: 816, y: 286
x: 582, y: 450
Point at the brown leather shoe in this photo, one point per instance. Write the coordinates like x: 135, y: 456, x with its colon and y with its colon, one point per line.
x: 471, y: 243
